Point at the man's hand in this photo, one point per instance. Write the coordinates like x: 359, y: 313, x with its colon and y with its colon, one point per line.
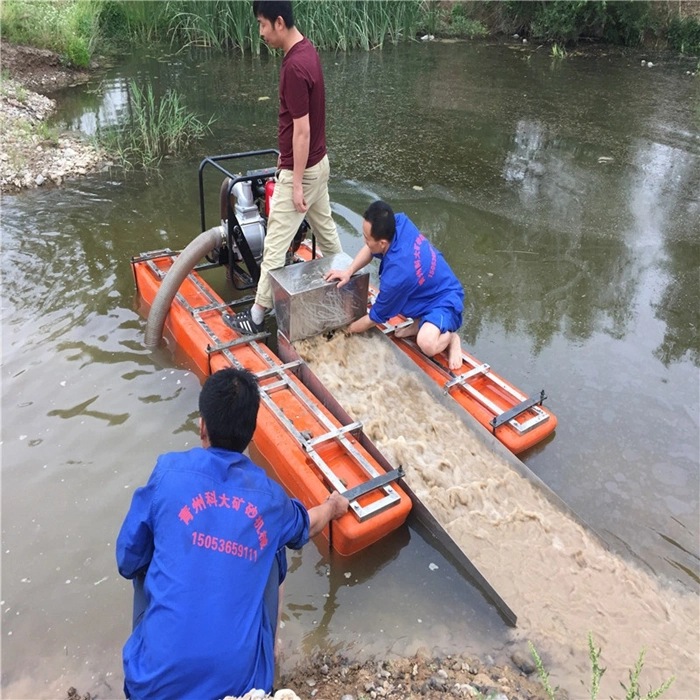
x: 333, y: 508
x: 298, y: 198
x: 342, y: 275
x: 339, y: 505
x: 362, y: 324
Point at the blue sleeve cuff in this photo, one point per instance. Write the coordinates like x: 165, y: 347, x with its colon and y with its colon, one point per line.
x: 302, y: 536
x: 374, y: 316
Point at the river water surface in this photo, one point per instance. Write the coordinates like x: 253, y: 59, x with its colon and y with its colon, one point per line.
x: 563, y: 193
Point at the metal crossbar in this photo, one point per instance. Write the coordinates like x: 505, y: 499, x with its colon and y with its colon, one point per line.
x: 516, y: 411
x: 372, y: 484
x: 462, y: 378
x: 243, y: 340
x: 309, y: 443
x: 350, y: 428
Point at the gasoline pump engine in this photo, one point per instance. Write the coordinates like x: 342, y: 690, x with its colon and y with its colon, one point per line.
x: 244, y: 210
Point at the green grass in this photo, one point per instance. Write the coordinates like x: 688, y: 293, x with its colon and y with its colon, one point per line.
x: 156, y: 127
x: 135, y: 22
x: 542, y: 673
x: 76, y: 29
x: 47, y: 133
x: 558, y: 51
x: 215, y: 24
x: 223, y: 24
x: 684, y: 35
x: 632, y: 692
x: 456, y: 22
x: 10, y: 88
x: 70, y: 28
x: 366, y: 24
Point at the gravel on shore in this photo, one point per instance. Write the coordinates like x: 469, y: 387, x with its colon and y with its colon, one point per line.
x: 336, y: 677
x: 34, y: 154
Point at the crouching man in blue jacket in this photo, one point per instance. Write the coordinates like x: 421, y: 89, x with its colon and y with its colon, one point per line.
x: 415, y: 281
x: 204, y: 543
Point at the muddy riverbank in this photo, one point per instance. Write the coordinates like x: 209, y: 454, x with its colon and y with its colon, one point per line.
x: 337, y: 677
x: 33, y: 153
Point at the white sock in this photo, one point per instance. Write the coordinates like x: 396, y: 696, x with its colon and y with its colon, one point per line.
x: 257, y: 313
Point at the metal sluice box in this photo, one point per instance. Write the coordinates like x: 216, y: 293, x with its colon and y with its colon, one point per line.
x: 306, y: 305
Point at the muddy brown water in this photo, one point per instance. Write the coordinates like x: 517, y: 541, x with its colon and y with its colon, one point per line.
x: 563, y: 194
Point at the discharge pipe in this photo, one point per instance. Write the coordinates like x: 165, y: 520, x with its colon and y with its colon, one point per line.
x: 202, y: 245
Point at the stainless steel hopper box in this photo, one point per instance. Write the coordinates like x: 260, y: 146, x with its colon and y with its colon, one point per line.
x: 306, y: 305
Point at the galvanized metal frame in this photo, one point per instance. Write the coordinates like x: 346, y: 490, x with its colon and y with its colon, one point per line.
x: 390, y: 497
x: 540, y: 416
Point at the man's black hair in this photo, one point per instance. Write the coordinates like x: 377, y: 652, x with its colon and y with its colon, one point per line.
x: 272, y: 9
x: 228, y: 405
x: 381, y: 220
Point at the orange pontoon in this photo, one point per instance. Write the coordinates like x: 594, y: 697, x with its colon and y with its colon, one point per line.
x: 517, y: 421
x: 311, y: 452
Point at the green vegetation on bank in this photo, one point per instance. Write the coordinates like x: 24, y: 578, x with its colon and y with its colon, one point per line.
x: 70, y: 28
x: 222, y: 24
x: 156, y: 127
x: 632, y: 691
x: 76, y: 29
x: 628, y: 23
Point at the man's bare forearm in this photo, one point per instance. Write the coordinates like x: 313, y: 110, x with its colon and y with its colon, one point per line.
x: 343, y: 276
x: 363, y: 258
x: 361, y: 325
x: 301, y: 140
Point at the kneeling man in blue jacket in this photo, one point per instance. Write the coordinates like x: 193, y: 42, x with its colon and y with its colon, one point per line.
x: 204, y: 542
x: 415, y: 281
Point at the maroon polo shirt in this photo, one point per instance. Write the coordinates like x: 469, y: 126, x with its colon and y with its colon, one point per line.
x: 302, y: 92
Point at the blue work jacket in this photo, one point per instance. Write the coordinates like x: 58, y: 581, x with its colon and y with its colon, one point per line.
x: 205, y: 528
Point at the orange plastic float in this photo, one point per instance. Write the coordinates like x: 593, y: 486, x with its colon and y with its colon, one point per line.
x: 311, y: 452
x: 518, y: 421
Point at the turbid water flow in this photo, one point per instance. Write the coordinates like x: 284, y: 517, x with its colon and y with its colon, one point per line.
x: 558, y: 577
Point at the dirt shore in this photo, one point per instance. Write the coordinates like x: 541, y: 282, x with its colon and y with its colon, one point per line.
x: 34, y: 154
x: 339, y: 678
x: 423, y: 676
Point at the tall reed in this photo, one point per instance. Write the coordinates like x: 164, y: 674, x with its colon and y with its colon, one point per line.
x: 218, y: 24
x: 75, y: 28
x: 154, y: 127
x: 222, y: 24
x: 137, y: 21
x: 344, y: 24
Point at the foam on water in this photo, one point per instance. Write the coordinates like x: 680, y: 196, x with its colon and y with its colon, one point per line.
x: 559, y: 578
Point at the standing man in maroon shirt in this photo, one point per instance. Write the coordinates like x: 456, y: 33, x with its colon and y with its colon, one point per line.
x: 301, y: 189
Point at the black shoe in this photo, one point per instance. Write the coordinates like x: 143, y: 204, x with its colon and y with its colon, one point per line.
x: 243, y: 323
